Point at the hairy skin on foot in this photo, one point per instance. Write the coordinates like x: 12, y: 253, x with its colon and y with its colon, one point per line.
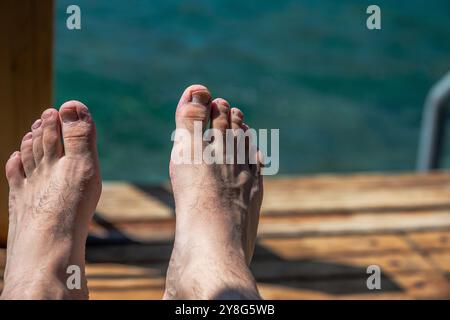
x: 54, y: 190
x: 217, y: 211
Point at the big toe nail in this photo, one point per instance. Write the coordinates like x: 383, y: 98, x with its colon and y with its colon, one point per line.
x: 201, y: 97
x: 194, y: 105
x: 78, y: 136
x: 69, y: 114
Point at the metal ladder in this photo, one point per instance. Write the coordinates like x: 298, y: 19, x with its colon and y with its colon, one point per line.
x: 433, y: 125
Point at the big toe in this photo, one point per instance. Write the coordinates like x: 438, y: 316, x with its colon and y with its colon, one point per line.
x: 194, y: 106
x: 78, y: 129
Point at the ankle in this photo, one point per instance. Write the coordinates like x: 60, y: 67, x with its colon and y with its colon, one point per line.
x: 47, y: 284
x: 208, y: 277
x: 33, y: 289
x: 48, y: 290
x: 236, y: 286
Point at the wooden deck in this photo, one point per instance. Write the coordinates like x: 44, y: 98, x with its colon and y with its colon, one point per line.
x: 316, y: 238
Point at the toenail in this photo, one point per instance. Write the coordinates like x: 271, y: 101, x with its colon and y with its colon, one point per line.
x: 201, y: 97
x: 223, y: 102
x: 47, y: 114
x: 36, y: 124
x: 237, y: 113
x: 69, y: 115
x: 224, y: 107
x: 15, y: 153
x: 225, y: 110
x: 84, y: 113
x: 28, y: 136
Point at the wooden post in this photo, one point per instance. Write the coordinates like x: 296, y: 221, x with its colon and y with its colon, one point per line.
x: 26, y: 45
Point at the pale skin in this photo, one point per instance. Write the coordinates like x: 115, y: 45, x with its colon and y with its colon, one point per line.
x: 55, y: 185
x: 54, y: 189
x: 217, y: 212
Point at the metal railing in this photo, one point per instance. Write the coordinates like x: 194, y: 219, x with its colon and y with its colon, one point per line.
x: 433, y: 125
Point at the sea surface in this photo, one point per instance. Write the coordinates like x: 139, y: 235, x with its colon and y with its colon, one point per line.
x: 345, y: 98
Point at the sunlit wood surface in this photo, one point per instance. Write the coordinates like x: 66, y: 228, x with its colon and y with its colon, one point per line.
x: 26, y: 50
x: 317, y: 237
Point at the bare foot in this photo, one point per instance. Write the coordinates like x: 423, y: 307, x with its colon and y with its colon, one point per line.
x: 54, y: 190
x: 217, y: 209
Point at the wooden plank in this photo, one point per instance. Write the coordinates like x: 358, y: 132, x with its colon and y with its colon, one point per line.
x: 267, y: 292
x: 114, y: 270
x: 322, y: 247
x: 427, y: 285
x: 358, y: 192
x: 410, y: 286
x: 301, y: 195
x: 121, y: 201
x: 284, y: 292
x: 283, y: 248
x: 354, y: 224
x: 430, y: 240
x: 421, y: 285
x: 278, y: 269
x: 135, y: 294
x: 133, y: 253
x: 125, y: 284
x: 442, y: 261
x: 155, y: 231
x: 26, y: 44
x: 298, y: 226
x: 338, y: 268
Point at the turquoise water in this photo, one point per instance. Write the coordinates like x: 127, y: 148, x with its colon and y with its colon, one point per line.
x: 344, y: 98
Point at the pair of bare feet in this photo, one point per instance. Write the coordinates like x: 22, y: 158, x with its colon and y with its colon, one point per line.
x: 55, y: 185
